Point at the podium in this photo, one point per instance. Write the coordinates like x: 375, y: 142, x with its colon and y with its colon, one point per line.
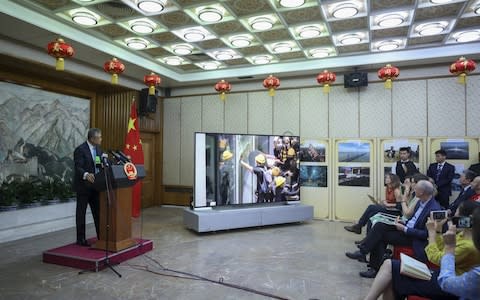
x: 119, y: 211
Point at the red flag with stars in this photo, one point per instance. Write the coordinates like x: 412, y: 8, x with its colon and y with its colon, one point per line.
x: 133, y: 148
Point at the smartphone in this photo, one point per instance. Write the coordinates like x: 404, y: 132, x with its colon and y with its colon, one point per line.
x: 439, y: 214
x: 462, y: 222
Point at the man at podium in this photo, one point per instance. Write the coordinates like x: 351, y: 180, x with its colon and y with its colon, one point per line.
x: 87, y: 159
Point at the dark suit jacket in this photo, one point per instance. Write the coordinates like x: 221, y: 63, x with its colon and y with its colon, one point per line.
x: 411, y: 169
x: 469, y: 192
x: 444, y: 183
x: 82, y: 158
x: 419, y: 232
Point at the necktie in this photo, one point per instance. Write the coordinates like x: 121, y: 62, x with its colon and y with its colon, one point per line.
x: 404, y: 166
x: 439, y: 170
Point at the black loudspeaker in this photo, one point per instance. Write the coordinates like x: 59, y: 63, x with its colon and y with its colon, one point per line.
x: 356, y: 79
x: 147, y: 103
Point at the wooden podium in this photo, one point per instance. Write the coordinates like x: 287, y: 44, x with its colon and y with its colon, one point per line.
x: 119, y: 210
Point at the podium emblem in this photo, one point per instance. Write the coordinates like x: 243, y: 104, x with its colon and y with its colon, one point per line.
x: 130, y: 170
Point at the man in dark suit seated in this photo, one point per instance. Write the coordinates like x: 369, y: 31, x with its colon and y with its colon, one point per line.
x: 467, y: 191
x: 412, y: 233
x: 85, y: 157
x: 442, y: 173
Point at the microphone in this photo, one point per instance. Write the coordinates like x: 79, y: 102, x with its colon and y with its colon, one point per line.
x: 125, y: 157
x: 105, y: 160
x: 117, y: 156
x: 97, y: 161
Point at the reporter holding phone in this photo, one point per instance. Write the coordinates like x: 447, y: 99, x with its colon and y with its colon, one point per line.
x: 466, y: 285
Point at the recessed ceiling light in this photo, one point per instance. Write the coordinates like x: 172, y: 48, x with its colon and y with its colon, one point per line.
x: 210, y: 15
x: 209, y: 65
x: 240, y: 41
x: 173, y: 60
x: 350, y: 39
x: 84, y: 18
x: 261, y: 23
x: 319, y: 53
x: 282, y: 48
x: 223, y: 55
x: 477, y: 10
x: 440, y: 1
x: 431, y: 28
x: 261, y: 60
x: 151, y: 6
x: 142, y: 27
x: 308, y: 32
x: 182, y: 49
x: 467, y: 36
x: 345, y: 10
x: 291, y: 3
x: 390, y: 20
x: 194, y: 35
x: 388, y: 45
x: 136, y: 43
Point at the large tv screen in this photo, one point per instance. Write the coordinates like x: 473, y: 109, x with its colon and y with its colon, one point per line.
x: 236, y: 169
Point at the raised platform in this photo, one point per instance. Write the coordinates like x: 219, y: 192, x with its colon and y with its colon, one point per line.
x: 223, y: 218
x: 86, y: 258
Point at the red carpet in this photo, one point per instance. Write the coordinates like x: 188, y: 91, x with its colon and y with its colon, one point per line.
x: 86, y: 258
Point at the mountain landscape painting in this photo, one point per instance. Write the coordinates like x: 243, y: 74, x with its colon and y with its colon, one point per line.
x: 39, y: 131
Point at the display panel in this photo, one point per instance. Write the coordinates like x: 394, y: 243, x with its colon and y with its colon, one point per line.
x: 236, y: 169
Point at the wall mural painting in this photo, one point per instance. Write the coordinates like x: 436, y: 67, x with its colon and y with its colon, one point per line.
x: 40, y: 130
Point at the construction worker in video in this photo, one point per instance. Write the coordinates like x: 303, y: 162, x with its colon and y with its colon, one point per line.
x: 264, y: 178
x: 226, y: 170
x: 282, y: 192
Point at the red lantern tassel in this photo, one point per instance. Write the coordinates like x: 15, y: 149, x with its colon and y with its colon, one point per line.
x: 151, y: 90
x: 271, y: 92
x: 114, y: 78
x: 462, y: 78
x: 326, y: 88
x: 388, y: 83
x: 60, y: 65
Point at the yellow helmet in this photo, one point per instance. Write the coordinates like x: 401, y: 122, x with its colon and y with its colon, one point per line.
x: 222, y: 143
x: 260, y: 159
x: 275, y: 171
x: 279, y: 181
x: 226, y: 155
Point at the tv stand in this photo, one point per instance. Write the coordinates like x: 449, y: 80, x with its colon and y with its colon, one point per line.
x: 232, y: 217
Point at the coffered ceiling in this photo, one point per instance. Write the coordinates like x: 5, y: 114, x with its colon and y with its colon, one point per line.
x: 198, y: 40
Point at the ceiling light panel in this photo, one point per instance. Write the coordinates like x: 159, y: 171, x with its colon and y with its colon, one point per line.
x: 261, y: 23
x: 391, y: 20
x: 320, y: 52
x: 282, y: 47
x: 473, y: 10
x: 291, y: 3
x: 351, y: 38
x: 142, y: 26
x: 262, y: 59
x: 210, y: 65
x: 309, y: 31
x: 85, y: 17
x: 180, y: 49
x: 223, y: 54
x: 209, y: 14
x: 151, y: 6
x: 173, y: 60
x: 464, y: 36
x: 341, y: 10
x: 438, y: 27
x: 430, y: 3
x: 388, y: 45
x: 240, y: 40
x: 136, y: 43
x: 194, y: 34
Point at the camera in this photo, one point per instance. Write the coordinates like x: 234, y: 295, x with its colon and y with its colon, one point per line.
x: 462, y: 222
x: 439, y: 214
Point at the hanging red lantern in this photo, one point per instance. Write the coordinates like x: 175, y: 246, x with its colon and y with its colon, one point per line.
x: 326, y: 78
x: 462, y: 67
x: 59, y: 49
x: 223, y: 87
x: 152, y: 80
x: 114, y: 67
x: 271, y: 83
x: 387, y: 74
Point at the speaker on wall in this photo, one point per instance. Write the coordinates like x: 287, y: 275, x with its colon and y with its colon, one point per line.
x: 147, y: 103
x: 356, y: 79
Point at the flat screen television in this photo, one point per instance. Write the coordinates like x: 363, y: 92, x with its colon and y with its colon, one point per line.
x: 242, y: 169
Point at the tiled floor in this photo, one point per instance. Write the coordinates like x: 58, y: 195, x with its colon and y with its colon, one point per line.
x: 298, y: 261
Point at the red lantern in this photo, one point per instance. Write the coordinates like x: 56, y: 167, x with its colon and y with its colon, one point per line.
x: 326, y: 78
x: 223, y: 87
x: 462, y: 67
x: 271, y: 83
x: 59, y: 49
x: 387, y: 74
x: 114, y: 67
x: 152, y: 80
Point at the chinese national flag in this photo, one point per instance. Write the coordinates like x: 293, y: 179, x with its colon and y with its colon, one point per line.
x: 133, y: 148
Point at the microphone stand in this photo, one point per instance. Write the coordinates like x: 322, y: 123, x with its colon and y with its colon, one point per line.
x: 109, y: 188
